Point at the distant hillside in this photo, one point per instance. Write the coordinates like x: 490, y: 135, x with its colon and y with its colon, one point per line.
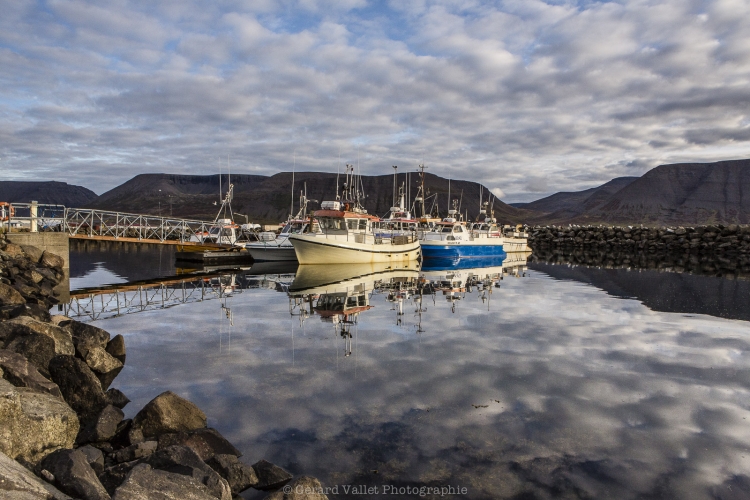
x: 573, y: 203
x: 676, y: 194
x: 51, y: 192
x: 268, y: 199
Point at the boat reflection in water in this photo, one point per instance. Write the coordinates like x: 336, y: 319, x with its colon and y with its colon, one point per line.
x: 454, y: 280
x: 338, y: 294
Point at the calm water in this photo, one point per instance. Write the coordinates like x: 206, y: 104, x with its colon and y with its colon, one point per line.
x: 565, y: 383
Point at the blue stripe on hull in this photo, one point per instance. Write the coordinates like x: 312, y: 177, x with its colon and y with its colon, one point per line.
x: 452, y: 264
x: 461, y: 251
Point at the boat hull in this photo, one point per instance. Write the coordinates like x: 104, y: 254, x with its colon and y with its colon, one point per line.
x: 462, y: 250
x: 268, y: 253
x: 516, y: 244
x: 320, y: 250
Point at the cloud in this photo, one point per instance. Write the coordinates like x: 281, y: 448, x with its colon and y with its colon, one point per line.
x: 500, y: 94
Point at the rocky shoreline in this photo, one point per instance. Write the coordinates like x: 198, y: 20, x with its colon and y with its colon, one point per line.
x: 708, y: 250
x: 62, y: 429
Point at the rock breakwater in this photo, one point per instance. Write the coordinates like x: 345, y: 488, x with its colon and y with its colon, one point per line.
x: 710, y: 250
x: 62, y: 428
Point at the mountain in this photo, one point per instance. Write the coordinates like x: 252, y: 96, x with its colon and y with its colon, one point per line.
x: 682, y: 193
x: 48, y: 192
x: 268, y: 199
x: 570, y: 204
x: 675, y: 194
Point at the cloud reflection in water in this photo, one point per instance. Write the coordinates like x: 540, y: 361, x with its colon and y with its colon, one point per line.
x: 553, y: 389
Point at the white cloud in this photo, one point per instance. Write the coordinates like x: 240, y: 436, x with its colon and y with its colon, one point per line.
x: 498, y: 94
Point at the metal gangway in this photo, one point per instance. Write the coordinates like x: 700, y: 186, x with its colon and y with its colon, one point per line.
x: 118, y: 300
x: 86, y: 223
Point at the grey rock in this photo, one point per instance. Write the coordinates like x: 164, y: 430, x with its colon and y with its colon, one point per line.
x: 101, y: 361
x: 205, y: 442
x: 94, y: 456
x: 85, y: 336
x: 19, y: 483
x: 169, y: 412
x: 34, y: 424
x: 117, y: 398
x: 116, y: 348
x: 240, y: 476
x: 50, y: 259
x: 145, y: 483
x: 103, y: 427
x: 33, y: 253
x: 270, y: 476
x: 25, y: 324
x: 74, y: 475
x: 114, y: 475
x: 79, y: 386
x: 183, y: 460
x: 37, y: 348
x: 302, y: 488
x: 10, y: 296
x: 135, y: 451
x: 106, y: 379
x: 19, y: 372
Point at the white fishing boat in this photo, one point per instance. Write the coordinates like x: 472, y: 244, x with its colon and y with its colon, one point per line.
x: 277, y: 247
x: 349, y: 235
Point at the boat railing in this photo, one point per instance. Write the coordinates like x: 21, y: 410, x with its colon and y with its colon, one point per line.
x: 378, y: 238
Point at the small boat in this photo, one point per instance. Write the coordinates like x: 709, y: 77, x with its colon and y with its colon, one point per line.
x: 347, y: 234
x: 452, y: 240
x: 277, y: 247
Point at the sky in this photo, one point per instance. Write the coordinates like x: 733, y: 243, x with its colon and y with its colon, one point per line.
x: 524, y: 96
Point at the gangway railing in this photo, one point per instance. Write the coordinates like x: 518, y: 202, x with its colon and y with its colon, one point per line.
x: 101, y: 224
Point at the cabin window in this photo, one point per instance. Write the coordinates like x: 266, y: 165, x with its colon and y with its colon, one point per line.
x: 446, y: 229
x: 287, y: 229
x: 458, y: 229
x: 332, y: 224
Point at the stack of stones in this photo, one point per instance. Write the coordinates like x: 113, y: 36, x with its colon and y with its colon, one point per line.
x: 713, y: 250
x: 62, y: 428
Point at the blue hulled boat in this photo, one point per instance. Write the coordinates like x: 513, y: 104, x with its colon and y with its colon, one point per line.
x: 451, y: 240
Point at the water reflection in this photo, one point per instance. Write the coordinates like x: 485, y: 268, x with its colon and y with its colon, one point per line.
x: 540, y: 387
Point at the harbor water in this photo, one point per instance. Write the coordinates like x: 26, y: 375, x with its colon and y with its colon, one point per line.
x: 552, y: 382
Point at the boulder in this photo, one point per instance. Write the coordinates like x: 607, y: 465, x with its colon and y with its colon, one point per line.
x: 302, y: 488
x: 101, y: 362
x: 117, y: 398
x: 19, y: 483
x: 168, y: 412
x: 37, y: 348
x: 85, y: 336
x: 79, y: 386
x: 134, y: 452
x: 37, y: 311
x: 23, y: 325
x: 59, y: 320
x: 145, y: 483
x: 240, y: 476
x: 34, y: 254
x: 103, y: 427
x: 127, y: 435
x: 116, y: 348
x: 50, y: 259
x: 270, y: 476
x: 13, y: 250
x: 11, y: 311
x: 9, y: 296
x: 94, y: 456
x: 183, y: 460
x: 74, y: 475
x: 34, y: 424
x: 114, y: 475
x: 19, y: 372
x: 205, y: 442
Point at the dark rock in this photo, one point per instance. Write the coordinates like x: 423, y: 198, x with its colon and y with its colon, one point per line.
x: 39, y: 349
x: 114, y: 475
x: 116, y: 348
x: 103, y: 427
x: 135, y: 451
x: 239, y: 475
x: 79, y: 386
x: 270, y: 476
x: 25, y: 325
x: 142, y: 482
x: 101, y: 361
x: 86, y: 336
x: 19, y: 483
x: 106, y: 379
x: 37, y: 312
x: 19, y: 372
x: 9, y: 296
x: 117, y: 398
x: 50, y: 259
x: 94, y: 456
x: 183, y: 460
x: 205, y: 442
x: 12, y: 311
x: 74, y: 475
x: 34, y: 254
x: 168, y: 412
x: 302, y: 488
